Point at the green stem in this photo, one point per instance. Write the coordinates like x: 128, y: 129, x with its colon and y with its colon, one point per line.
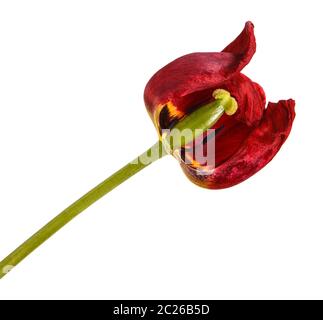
x: 151, y: 155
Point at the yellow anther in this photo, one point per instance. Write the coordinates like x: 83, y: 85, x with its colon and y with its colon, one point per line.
x: 229, y: 103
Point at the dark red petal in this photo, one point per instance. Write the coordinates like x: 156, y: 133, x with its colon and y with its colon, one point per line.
x: 234, y: 129
x: 258, y: 149
x: 244, y: 45
x: 230, y: 135
x: 198, y: 71
x: 250, y: 96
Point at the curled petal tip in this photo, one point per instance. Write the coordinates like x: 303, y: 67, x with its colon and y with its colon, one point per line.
x: 244, y: 45
x: 249, y: 23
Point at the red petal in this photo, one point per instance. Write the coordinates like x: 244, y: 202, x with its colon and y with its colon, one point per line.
x: 258, y: 149
x: 250, y: 96
x: 244, y: 45
x: 198, y: 71
x: 234, y: 129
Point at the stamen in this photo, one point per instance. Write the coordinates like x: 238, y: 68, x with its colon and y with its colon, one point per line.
x: 196, y: 123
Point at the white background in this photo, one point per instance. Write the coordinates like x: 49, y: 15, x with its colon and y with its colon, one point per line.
x: 72, y: 75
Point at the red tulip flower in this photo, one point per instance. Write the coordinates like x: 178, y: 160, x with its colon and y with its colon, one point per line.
x: 246, y: 141
x: 207, y: 96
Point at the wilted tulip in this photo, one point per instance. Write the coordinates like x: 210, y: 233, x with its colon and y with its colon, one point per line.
x: 210, y: 116
x: 246, y: 140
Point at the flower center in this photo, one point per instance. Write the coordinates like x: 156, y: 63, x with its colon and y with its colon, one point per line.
x: 200, y: 120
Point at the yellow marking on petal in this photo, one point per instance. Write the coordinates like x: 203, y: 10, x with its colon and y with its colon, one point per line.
x: 193, y: 162
x: 173, y: 112
x: 197, y: 165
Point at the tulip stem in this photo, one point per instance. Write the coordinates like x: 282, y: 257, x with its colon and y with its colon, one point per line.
x: 152, y: 154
